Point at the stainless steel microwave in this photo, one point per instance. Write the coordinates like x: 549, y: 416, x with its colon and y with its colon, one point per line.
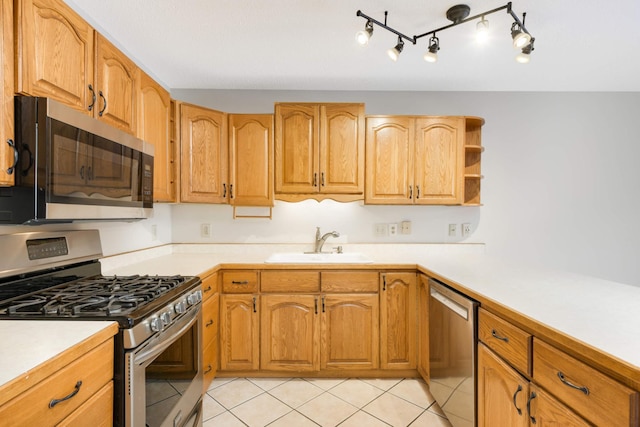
x: 69, y: 166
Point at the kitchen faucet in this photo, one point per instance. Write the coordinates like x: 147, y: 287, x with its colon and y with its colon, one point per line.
x: 320, y: 240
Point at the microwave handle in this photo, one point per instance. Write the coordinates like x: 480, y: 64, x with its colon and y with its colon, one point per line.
x: 166, y: 341
x: 12, y: 168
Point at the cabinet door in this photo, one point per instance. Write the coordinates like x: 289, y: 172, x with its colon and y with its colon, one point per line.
x: 239, y: 333
x: 502, y: 393
x: 251, y: 159
x: 439, y: 161
x: 6, y: 93
x: 154, y: 106
x: 116, y: 84
x: 423, y: 326
x: 350, y: 334
x: 204, y: 155
x: 398, y: 321
x: 54, y: 56
x: 289, y: 333
x: 296, y: 148
x: 389, y: 164
x: 342, y: 149
x: 546, y: 411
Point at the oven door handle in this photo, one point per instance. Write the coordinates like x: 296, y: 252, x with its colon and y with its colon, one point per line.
x: 163, y: 341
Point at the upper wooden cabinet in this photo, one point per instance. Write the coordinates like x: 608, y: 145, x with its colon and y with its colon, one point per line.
x: 251, y: 159
x: 154, y: 126
x: 205, y: 159
x: 7, y: 152
x: 420, y: 160
x: 60, y: 56
x: 319, y: 151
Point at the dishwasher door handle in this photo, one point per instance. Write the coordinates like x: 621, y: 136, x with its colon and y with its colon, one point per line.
x: 450, y: 304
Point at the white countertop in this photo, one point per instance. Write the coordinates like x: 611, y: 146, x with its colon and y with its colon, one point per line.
x: 600, y: 313
x: 27, y: 344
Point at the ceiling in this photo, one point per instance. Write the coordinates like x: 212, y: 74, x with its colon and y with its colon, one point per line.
x: 581, y: 45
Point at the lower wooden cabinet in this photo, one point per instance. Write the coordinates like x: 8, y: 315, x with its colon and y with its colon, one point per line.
x: 95, y: 412
x: 210, y: 338
x: 239, y: 332
x: 398, y: 320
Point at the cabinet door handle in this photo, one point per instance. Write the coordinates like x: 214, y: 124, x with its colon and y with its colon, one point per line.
x: 494, y: 334
x: 209, y: 369
x: 417, y: 191
x: 411, y: 192
x: 384, y: 282
x: 240, y: 282
x: 75, y: 391
x: 16, y: 157
x: 323, y: 303
x: 224, y: 190
x: 255, y: 308
x: 568, y: 383
x: 532, y: 396
x: 515, y: 395
x: 231, y: 191
x: 82, y: 172
x: 322, y: 179
x: 315, y: 179
x: 315, y: 304
x: 93, y: 98
x: 209, y: 323
x: 105, y: 104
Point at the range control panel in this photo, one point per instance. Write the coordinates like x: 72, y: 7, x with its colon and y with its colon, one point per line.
x: 47, y: 248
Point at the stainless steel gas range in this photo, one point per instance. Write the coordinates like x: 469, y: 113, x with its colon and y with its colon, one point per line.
x: 57, y: 275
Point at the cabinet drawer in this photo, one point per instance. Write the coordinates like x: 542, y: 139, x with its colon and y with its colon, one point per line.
x: 94, y: 369
x: 290, y: 281
x: 592, y: 394
x: 209, y: 364
x: 210, y: 310
x: 95, y: 412
x: 209, y: 286
x: 349, y: 281
x: 510, y: 342
x: 240, y: 282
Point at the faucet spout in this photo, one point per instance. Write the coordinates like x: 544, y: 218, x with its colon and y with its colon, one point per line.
x: 320, y: 239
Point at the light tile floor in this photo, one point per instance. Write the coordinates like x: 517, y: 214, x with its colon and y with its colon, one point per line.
x: 297, y: 402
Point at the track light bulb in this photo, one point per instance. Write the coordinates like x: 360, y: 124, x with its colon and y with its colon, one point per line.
x: 362, y: 37
x: 394, y: 53
x: 482, y: 30
x: 525, y: 56
x: 520, y: 38
x: 432, y: 52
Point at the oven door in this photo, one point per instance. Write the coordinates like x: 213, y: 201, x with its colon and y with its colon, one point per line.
x: 163, y: 377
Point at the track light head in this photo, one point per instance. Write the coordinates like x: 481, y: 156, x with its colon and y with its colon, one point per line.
x: 394, y: 53
x: 363, y: 36
x: 482, y: 30
x: 520, y: 38
x: 432, y: 51
x: 525, y: 55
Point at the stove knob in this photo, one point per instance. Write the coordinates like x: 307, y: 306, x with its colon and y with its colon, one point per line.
x: 166, y: 318
x: 179, y: 307
x: 155, y: 324
x: 192, y: 298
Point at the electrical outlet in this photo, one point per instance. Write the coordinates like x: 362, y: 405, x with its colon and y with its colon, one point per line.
x: 154, y: 232
x: 393, y: 229
x: 381, y: 230
x: 205, y: 230
x: 405, y: 227
x: 453, y: 230
x: 466, y: 229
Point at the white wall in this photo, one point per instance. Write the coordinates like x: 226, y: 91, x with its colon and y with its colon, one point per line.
x: 560, y: 188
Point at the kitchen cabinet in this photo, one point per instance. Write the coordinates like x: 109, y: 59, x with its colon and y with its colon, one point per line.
x: 7, y: 152
x: 205, y: 158
x: 239, y: 332
x: 423, y: 327
x: 398, y: 320
x: 422, y: 160
x: 154, y: 126
x: 60, y: 56
x: 210, y: 328
x: 87, y: 379
x: 319, y: 151
x: 251, y: 159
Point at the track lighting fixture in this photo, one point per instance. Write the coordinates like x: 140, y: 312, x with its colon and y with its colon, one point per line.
x: 432, y: 52
x: 394, y: 52
x: 362, y: 37
x: 457, y: 14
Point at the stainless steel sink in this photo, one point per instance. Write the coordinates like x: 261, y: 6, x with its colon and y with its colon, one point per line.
x: 318, y: 258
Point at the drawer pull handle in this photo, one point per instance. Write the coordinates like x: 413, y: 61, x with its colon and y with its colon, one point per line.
x: 209, y: 323
x: 494, y: 334
x: 566, y: 382
x: 240, y: 282
x: 54, y: 402
x: 208, y: 289
x: 514, y: 399
x: 209, y: 369
x: 532, y: 396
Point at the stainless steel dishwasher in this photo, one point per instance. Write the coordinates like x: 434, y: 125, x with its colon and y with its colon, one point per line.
x: 452, y: 352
